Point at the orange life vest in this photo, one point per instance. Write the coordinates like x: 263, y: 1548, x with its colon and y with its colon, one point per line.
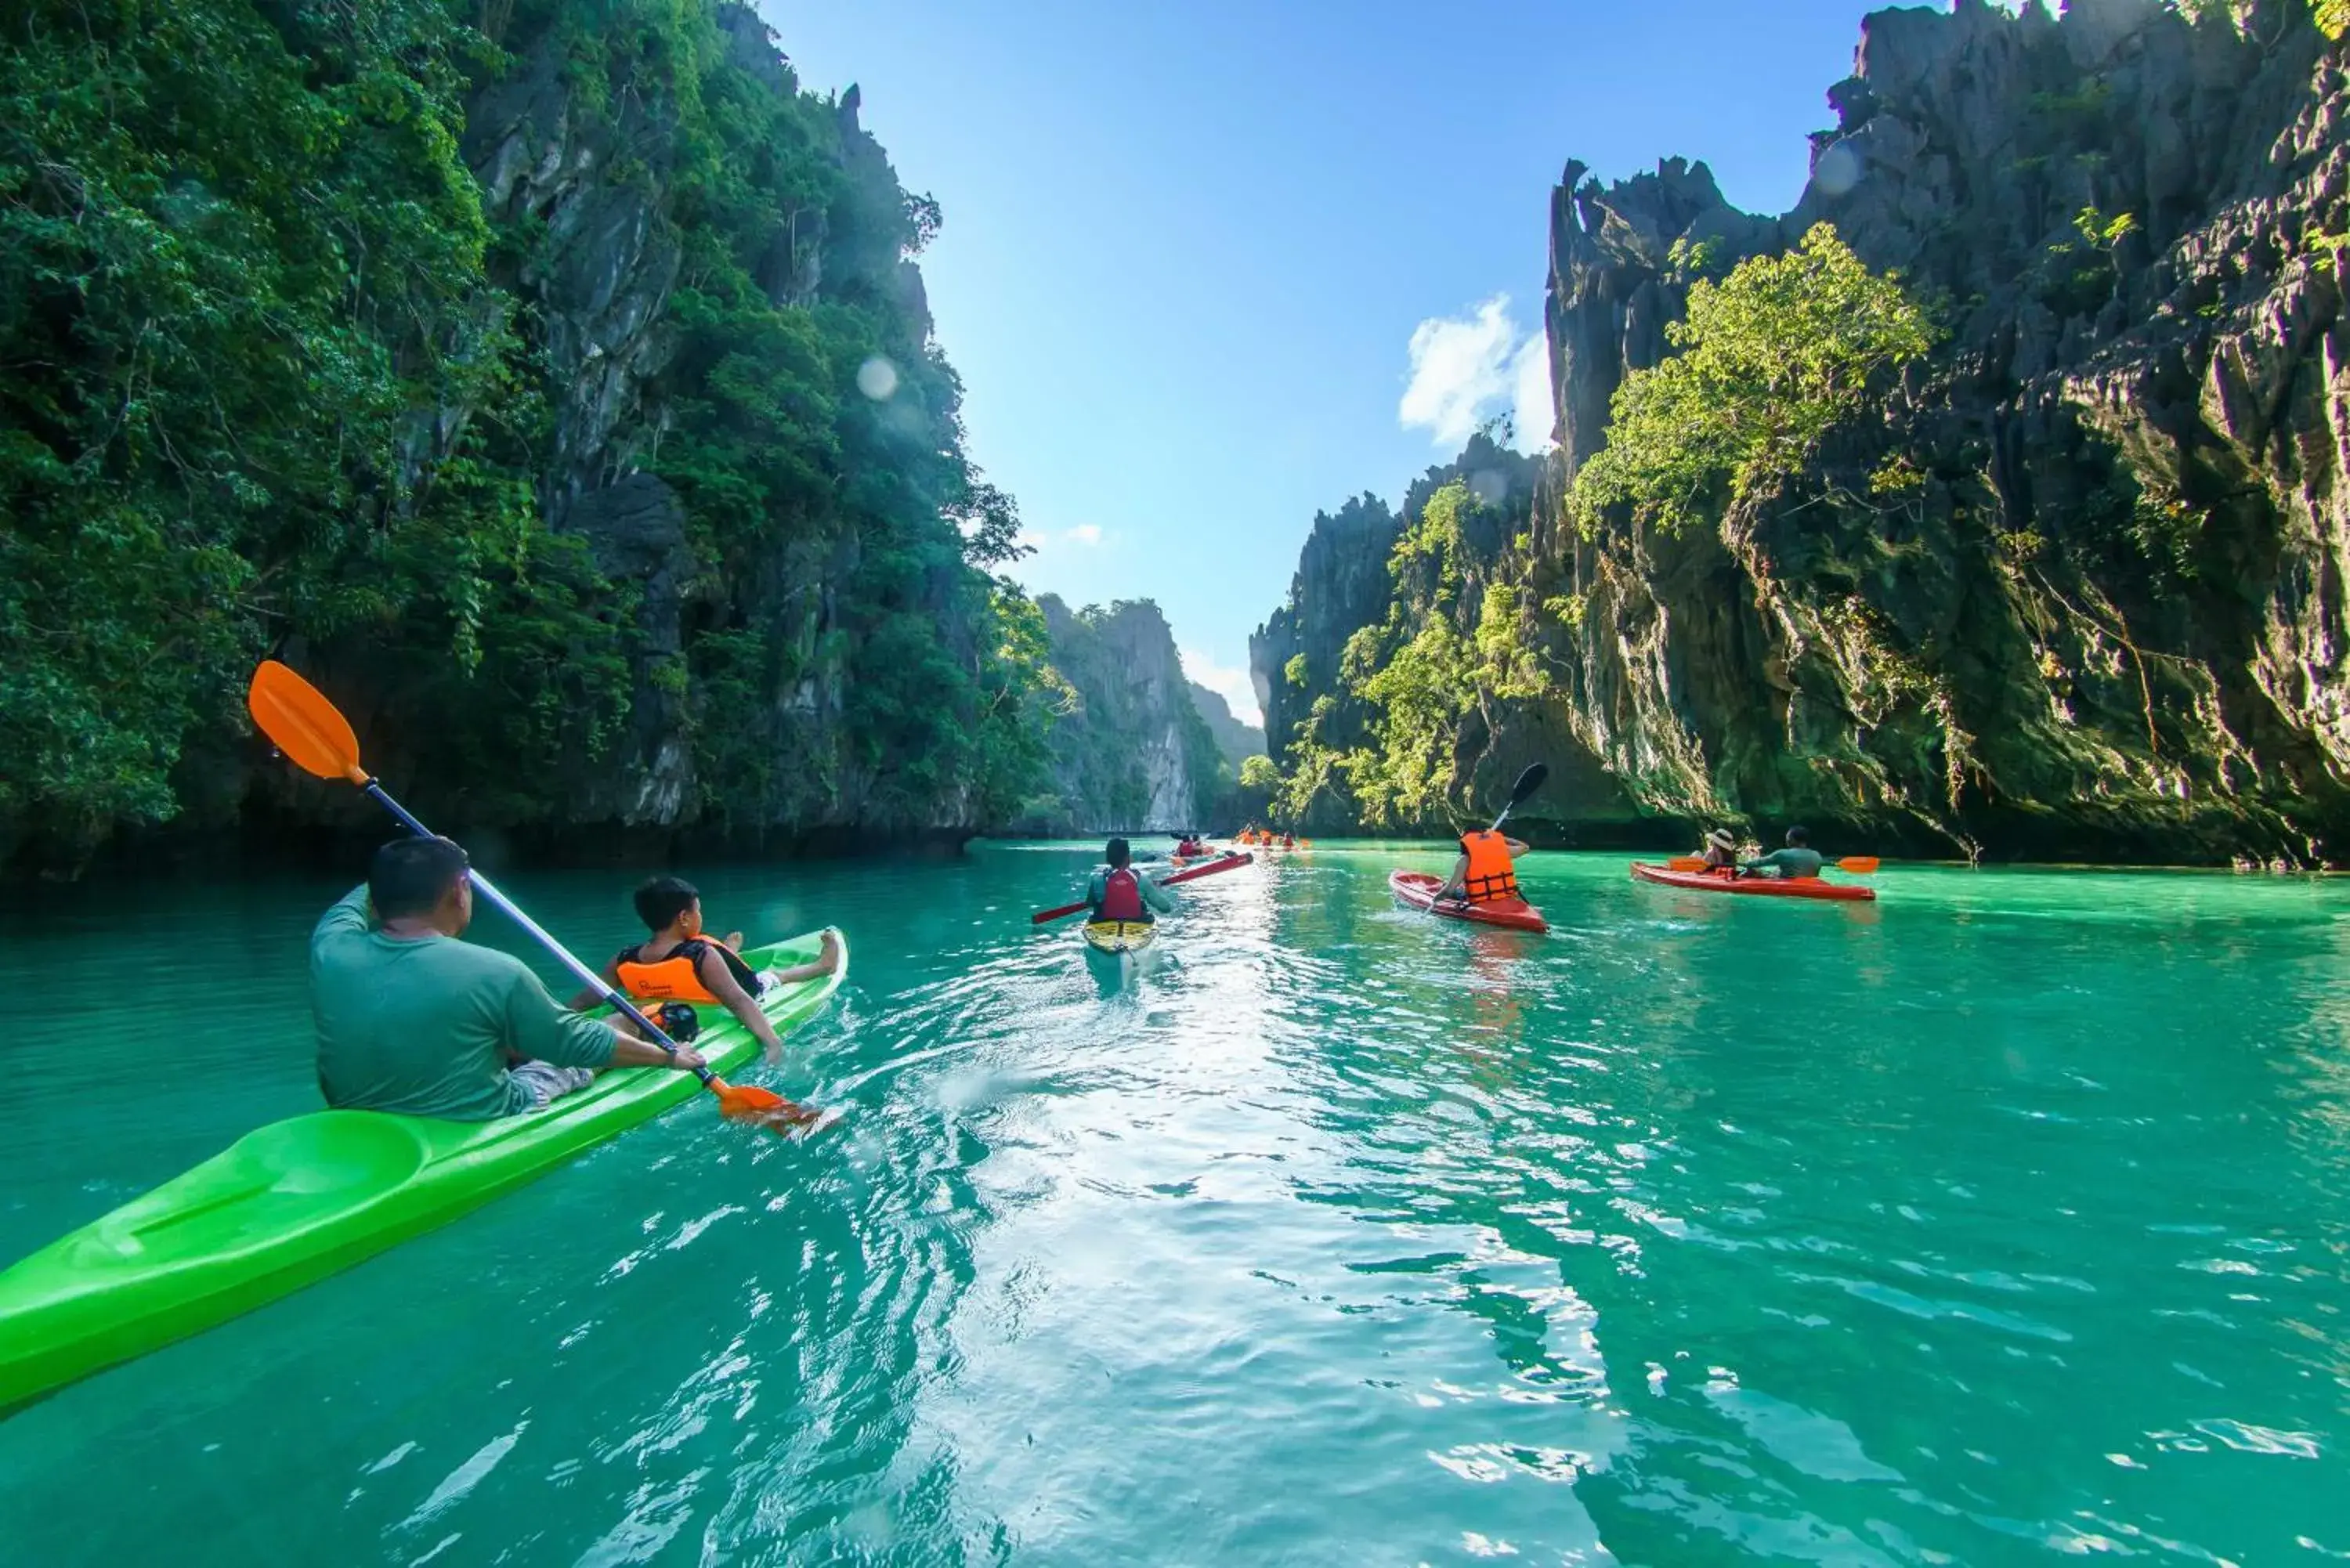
x: 678, y: 977
x: 1490, y: 878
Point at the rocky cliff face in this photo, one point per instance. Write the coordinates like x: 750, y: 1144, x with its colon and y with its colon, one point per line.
x: 2103, y: 618
x: 1343, y: 585
x: 1131, y: 752
x: 749, y: 429
x: 1235, y: 741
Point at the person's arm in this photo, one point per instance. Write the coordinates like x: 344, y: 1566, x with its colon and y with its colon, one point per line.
x: 627, y: 1051
x: 1515, y: 847
x: 587, y: 999
x: 718, y: 981
x: 1458, y: 883
x: 351, y: 915
x: 541, y: 1031
x: 1154, y: 895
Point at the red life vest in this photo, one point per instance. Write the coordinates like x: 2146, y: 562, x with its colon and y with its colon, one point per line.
x: 678, y: 977
x: 1490, y: 878
x: 1121, y: 898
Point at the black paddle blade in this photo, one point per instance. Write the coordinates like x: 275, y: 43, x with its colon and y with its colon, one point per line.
x: 1528, y: 782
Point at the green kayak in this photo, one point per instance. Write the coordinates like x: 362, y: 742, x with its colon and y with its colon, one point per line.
x: 298, y: 1200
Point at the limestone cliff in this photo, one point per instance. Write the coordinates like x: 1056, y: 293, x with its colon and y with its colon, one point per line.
x: 1131, y: 752
x: 567, y: 406
x: 2105, y: 619
x: 1235, y: 741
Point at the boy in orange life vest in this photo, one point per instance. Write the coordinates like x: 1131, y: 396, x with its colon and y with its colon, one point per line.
x: 1483, y: 874
x: 679, y: 963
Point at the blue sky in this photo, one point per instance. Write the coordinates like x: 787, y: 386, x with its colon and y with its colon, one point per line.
x: 1193, y: 252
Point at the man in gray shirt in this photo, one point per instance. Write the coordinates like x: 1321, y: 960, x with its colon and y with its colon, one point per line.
x: 1799, y: 859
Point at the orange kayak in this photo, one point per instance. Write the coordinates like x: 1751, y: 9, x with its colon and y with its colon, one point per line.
x: 1763, y: 886
x: 1419, y: 889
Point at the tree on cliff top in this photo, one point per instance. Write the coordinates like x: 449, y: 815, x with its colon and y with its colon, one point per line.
x: 1770, y: 359
x: 2332, y: 16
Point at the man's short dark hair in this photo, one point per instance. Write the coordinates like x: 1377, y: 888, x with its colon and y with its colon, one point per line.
x: 662, y: 899
x: 409, y: 876
x: 1799, y: 836
x: 1118, y: 853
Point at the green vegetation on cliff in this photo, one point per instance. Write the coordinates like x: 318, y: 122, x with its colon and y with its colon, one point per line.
x: 2332, y: 16
x: 1768, y: 362
x: 1447, y: 652
x: 2047, y: 580
x: 240, y: 260
x: 278, y: 377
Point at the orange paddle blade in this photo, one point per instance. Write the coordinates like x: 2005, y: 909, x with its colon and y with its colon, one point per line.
x: 1685, y: 863
x: 302, y: 724
x: 743, y: 1099
x: 762, y: 1107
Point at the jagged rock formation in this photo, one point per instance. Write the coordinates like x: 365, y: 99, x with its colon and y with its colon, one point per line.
x: 1343, y: 585
x: 1130, y: 751
x: 2104, y: 620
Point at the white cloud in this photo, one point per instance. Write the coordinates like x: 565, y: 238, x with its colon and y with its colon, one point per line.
x: 1230, y: 684
x: 1464, y: 369
x: 1029, y: 539
x: 1083, y: 534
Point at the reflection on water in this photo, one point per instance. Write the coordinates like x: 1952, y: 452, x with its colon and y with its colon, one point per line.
x: 2007, y: 1216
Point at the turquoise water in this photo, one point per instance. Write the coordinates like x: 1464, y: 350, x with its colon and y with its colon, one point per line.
x: 2004, y: 1220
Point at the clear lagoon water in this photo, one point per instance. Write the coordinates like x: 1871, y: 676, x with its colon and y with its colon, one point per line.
x: 2005, y: 1220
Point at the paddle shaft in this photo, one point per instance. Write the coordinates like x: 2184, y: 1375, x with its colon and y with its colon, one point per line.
x: 1528, y: 782
x: 540, y: 934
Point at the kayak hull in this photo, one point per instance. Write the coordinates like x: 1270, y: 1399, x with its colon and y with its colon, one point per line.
x: 1419, y: 889
x: 292, y: 1202
x: 1755, y: 886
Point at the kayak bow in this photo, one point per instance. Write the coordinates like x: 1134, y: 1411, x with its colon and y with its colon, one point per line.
x: 292, y: 1202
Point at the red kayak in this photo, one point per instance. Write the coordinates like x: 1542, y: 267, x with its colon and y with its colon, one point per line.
x: 1763, y: 886
x: 1419, y: 889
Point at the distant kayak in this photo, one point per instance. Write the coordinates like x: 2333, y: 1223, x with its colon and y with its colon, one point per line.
x: 1419, y: 889
x: 1761, y: 886
x: 297, y: 1200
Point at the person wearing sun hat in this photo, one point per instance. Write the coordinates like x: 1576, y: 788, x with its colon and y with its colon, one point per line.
x: 1720, y: 850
